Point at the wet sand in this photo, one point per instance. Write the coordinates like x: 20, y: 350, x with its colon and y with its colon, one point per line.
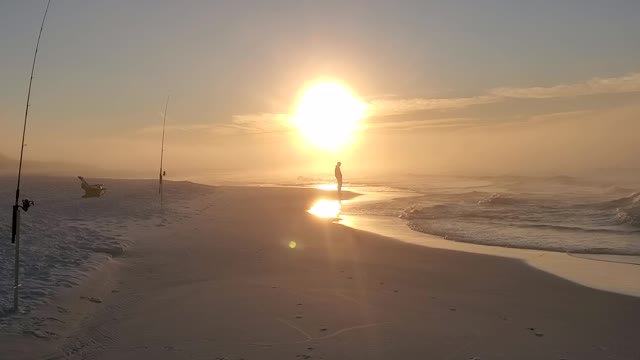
x: 247, y: 273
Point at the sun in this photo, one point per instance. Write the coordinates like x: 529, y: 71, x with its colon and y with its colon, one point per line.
x: 328, y: 114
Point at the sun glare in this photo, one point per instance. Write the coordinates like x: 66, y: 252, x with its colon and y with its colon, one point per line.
x: 328, y: 114
x: 326, y: 209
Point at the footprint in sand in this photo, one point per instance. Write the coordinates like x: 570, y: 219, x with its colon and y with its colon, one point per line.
x: 92, y: 299
x: 55, y: 319
x: 536, y: 332
x: 40, y: 334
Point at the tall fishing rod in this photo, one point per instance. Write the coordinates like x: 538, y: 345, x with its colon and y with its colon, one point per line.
x: 26, y: 203
x: 164, y: 123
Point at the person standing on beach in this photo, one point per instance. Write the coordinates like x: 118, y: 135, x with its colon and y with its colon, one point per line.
x: 338, y: 174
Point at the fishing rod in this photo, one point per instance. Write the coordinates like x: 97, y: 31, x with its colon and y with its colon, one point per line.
x: 164, y: 123
x: 26, y: 203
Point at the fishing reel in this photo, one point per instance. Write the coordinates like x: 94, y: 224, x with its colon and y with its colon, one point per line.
x: 26, y: 204
x: 15, y: 223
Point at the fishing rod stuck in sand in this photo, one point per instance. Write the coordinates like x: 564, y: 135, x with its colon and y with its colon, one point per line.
x: 26, y: 203
x: 164, y: 123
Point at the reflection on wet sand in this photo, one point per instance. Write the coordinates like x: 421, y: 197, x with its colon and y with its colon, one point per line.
x: 329, y: 187
x: 329, y: 209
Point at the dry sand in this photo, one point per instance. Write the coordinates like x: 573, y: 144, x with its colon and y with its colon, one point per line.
x: 223, y: 282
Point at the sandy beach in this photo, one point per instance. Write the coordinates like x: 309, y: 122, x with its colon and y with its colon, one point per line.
x: 324, y: 180
x: 248, y: 273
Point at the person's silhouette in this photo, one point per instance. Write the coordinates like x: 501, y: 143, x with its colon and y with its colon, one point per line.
x: 338, y: 174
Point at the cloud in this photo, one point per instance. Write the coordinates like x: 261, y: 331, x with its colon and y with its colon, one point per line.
x: 421, y: 124
x: 389, y: 106
x: 157, y: 129
x: 596, y: 86
x: 393, y: 105
x: 262, y: 123
x: 247, y: 124
x: 560, y: 116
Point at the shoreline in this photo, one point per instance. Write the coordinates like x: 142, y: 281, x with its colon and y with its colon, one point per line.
x: 592, y: 270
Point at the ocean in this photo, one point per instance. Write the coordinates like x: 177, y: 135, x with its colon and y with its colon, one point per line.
x: 563, y: 214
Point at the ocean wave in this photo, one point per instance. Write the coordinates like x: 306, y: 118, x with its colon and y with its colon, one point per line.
x: 580, y: 229
x: 432, y: 212
x: 626, y: 209
x: 614, y: 189
x: 583, y: 216
x: 548, y: 238
x: 551, y: 219
x: 500, y: 199
x: 629, y: 216
x: 630, y: 200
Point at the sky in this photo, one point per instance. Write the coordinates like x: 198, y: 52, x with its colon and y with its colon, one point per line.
x: 468, y: 87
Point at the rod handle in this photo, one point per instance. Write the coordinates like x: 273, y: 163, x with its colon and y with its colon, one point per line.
x: 14, y: 223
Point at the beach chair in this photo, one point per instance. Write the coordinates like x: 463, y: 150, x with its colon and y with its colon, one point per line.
x: 91, y: 190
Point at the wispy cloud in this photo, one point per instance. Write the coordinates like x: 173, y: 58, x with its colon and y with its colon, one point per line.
x: 421, y: 124
x: 383, y: 107
x: 390, y: 106
x: 393, y: 105
x: 596, y: 86
x: 157, y: 129
x: 262, y: 123
x: 560, y: 116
